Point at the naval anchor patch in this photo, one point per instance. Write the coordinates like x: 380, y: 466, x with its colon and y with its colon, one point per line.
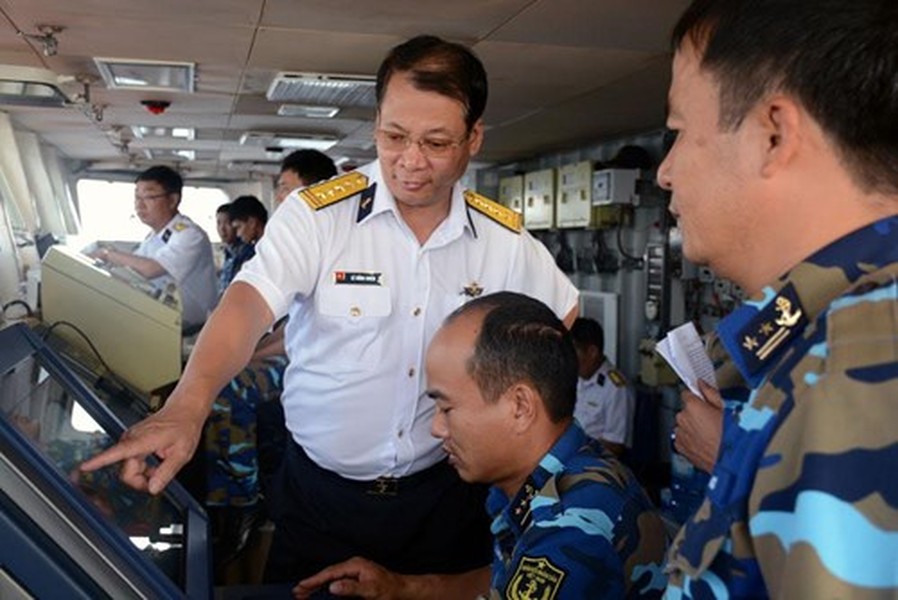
x: 535, y: 579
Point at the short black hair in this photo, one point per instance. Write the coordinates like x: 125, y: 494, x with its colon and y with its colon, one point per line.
x: 224, y: 208
x: 244, y: 207
x: 521, y: 339
x: 309, y: 165
x: 838, y: 58
x: 588, y: 332
x: 436, y: 65
x: 167, y: 177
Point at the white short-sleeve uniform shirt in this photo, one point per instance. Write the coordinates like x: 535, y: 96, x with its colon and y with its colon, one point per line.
x: 605, y: 406
x: 364, y: 300
x: 183, y: 249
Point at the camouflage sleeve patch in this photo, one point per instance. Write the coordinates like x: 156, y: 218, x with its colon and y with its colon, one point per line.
x: 500, y: 214
x: 617, y: 378
x: 334, y: 190
x: 535, y: 578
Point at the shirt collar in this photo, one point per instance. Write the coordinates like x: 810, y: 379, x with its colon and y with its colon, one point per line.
x: 452, y: 227
x: 757, y: 333
x: 594, y: 378
x: 517, y: 510
x: 165, y: 227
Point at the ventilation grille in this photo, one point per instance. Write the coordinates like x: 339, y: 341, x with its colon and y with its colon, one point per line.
x: 323, y: 89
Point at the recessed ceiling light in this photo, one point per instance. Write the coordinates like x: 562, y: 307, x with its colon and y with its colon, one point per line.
x: 170, y: 154
x: 308, y: 111
x: 288, y: 140
x: 133, y: 74
x: 146, y: 131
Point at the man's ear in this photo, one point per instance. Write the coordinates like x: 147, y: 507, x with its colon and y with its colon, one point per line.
x: 781, y: 120
x: 525, y: 405
x: 475, y: 138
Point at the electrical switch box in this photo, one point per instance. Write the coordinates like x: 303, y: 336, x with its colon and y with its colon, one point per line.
x: 539, y: 199
x: 614, y: 186
x: 574, y: 206
x: 511, y: 192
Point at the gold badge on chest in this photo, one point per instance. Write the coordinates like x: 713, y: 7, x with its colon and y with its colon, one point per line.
x: 535, y: 579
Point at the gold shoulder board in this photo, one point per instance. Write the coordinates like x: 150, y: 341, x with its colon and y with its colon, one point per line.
x: 495, y: 211
x: 334, y: 190
x: 617, y: 378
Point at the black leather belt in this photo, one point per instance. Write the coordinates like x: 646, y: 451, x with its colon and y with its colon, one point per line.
x: 382, y: 486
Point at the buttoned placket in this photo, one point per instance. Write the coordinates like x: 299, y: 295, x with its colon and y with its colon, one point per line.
x: 413, y: 327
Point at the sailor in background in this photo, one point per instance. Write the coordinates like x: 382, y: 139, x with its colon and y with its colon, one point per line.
x: 605, y: 402
x: 176, y: 249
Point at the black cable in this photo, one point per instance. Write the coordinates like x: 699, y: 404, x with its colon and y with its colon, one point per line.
x: 620, y: 246
x: 30, y: 312
x: 83, y: 336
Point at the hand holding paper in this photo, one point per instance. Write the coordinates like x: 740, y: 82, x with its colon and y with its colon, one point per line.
x: 683, y: 350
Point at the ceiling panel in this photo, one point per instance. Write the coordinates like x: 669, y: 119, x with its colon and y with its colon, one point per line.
x: 562, y: 72
x: 459, y: 20
x: 642, y: 25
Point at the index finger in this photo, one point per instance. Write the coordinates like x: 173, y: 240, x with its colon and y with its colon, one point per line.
x: 323, y: 577
x: 123, y: 450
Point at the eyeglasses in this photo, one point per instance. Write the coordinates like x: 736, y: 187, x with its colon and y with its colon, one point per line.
x: 393, y: 141
x: 150, y: 197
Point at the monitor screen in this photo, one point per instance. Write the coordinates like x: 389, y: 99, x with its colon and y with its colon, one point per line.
x: 57, y: 424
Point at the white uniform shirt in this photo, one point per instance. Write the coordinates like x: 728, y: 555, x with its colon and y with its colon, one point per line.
x: 605, y: 407
x: 183, y: 249
x: 365, y: 299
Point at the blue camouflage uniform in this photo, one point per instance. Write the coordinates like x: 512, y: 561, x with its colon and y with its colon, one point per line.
x: 234, y: 257
x: 230, y: 440
x: 803, y: 500
x: 580, y: 527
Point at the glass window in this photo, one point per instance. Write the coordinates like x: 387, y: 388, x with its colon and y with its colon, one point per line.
x: 107, y: 210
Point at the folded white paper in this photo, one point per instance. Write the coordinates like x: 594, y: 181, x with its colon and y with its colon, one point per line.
x: 682, y: 348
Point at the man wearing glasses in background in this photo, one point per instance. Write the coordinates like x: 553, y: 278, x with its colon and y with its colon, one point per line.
x: 367, y: 265
x: 177, y: 249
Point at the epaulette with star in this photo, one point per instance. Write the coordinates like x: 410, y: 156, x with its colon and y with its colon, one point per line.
x: 500, y: 214
x: 334, y: 190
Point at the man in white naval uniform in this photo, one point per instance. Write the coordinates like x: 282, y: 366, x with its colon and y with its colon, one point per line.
x: 367, y: 265
x: 605, y: 402
x: 176, y: 249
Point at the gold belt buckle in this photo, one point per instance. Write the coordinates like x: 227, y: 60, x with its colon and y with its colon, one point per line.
x: 384, y: 486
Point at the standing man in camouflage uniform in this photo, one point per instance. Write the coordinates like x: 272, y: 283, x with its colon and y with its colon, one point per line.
x: 244, y: 436
x: 569, y: 520
x: 784, y: 177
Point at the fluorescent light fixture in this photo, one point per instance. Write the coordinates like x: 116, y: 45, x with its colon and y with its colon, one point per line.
x: 274, y: 153
x: 288, y: 140
x: 322, y: 89
x: 170, y: 154
x: 272, y: 168
x: 308, y: 111
x: 28, y: 86
x: 134, y: 74
x: 151, y: 131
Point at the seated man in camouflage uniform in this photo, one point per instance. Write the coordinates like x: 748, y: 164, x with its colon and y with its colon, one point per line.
x: 569, y: 520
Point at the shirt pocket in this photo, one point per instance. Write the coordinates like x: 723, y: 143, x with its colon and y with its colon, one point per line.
x: 352, y: 325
